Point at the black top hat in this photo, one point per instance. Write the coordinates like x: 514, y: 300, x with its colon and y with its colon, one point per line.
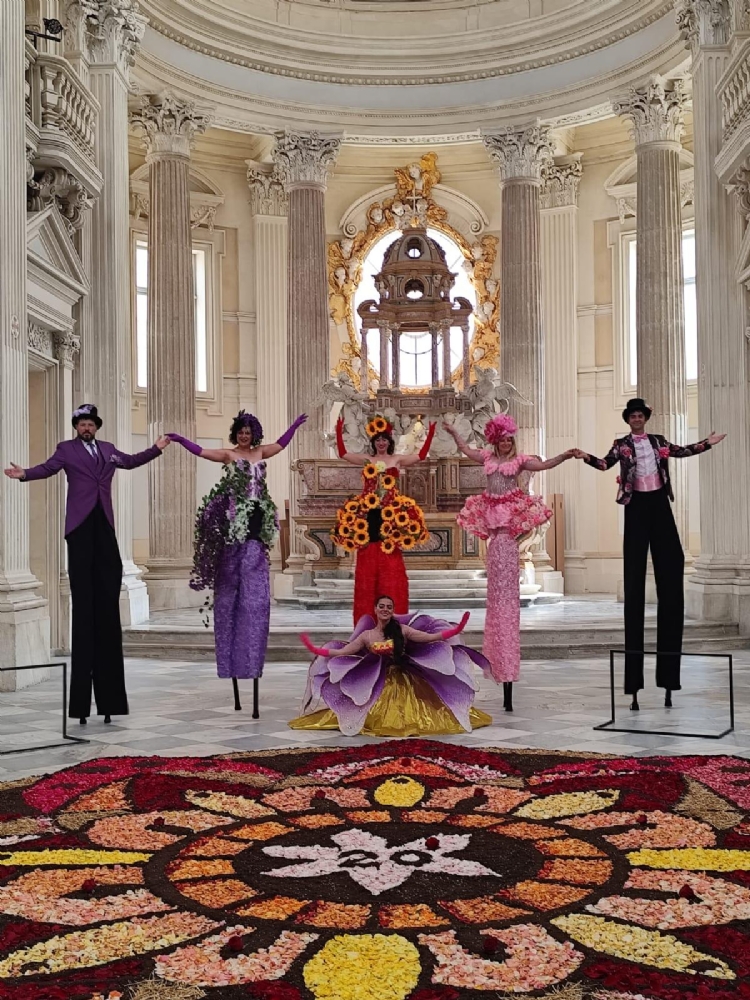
x: 86, y: 411
x: 634, y: 405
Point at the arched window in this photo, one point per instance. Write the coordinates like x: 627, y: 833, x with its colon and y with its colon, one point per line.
x: 415, y: 362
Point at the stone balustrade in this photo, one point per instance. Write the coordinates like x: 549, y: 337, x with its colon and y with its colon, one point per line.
x: 734, y: 91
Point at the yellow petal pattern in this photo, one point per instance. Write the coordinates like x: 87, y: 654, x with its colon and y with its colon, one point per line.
x: 693, y: 859
x: 568, y: 804
x: 36, y: 859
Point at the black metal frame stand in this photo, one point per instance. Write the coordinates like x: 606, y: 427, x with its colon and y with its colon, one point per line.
x: 66, y: 736
x: 610, y: 726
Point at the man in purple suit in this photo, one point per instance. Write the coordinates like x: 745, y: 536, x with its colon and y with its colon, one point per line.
x: 94, y: 564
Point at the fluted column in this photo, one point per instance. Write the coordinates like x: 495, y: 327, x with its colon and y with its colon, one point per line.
x: 559, y: 251
x: 110, y: 34
x: 520, y: 155
x: 168, y: 125
x: 24, y: 620
x: 66, y: 347
x: 720, y: 586
x: 269, y: 206
x: 656, y: 116
x: 304, y: 160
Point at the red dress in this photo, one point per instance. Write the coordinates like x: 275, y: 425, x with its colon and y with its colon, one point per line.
x: 378, y: 523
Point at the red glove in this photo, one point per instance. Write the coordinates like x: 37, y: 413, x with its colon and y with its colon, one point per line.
x: 340, y: 446
x: 425, y: 449
x: 450, y: 632
x: 313, y: 649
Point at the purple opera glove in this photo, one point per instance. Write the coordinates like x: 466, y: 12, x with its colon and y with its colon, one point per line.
x: 191, y: 446
x: 287, y: 436
x: 450, y: 632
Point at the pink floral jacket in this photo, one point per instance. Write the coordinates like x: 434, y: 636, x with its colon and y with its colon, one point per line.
x: 623, y: 451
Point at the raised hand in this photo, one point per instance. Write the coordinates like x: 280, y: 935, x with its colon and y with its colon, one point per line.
x: 450, y: 429
x: 450, y: 632
x: 425, y: 449
x: 714, y: 438
x: 289, y: 433
x: 15, y: 471
x: 313, y: 649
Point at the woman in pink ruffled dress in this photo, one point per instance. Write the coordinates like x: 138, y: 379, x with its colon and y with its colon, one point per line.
x: 501, y: 515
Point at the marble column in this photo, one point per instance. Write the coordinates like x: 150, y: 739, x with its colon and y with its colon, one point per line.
x: 269, y: 207
x: 559, y: 252
x: 67, y: 346
x: 304, y: 161
x: 520, y: 156
x: 110, y: 34
x: 24, y: 617
x: 656, y: 116
x: 169, y: 125
x: 719, y: 588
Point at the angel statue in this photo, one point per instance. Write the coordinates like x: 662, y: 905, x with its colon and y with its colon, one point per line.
x: 342, y: 390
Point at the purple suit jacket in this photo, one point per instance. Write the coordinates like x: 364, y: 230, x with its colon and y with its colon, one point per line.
x: 89, y: 481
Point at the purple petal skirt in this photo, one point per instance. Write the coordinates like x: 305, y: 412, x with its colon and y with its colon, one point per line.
x: 242, y: 608
x: 431, y: 692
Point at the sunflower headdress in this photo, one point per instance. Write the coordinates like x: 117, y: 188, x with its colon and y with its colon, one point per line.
x: 378, y: 425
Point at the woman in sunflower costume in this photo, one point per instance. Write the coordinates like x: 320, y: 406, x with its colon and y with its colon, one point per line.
x: 380, y: 522
x: 399, y: 675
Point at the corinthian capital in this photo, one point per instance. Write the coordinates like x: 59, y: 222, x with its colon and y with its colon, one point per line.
x: 67, y: 345
x: 520, y: 153
x: 168, y: 124
x: 303, y: 159
x: 561, y: 180
x: 656, y: 112
x: 704, y: 22
x: 267, y: 193
x: 111, y: 29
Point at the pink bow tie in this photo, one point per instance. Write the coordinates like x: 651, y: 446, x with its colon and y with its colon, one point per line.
x: 640, y: 437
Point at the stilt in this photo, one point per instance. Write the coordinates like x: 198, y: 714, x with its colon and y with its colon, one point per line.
x: 256, y: 713
x: 634, y: 706
x: 667, y: 699
x: 235, y: 685
x: 508, y: 696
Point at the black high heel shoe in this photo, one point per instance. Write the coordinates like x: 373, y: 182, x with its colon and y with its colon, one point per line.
x: 667, y: 699
x: 634, y: 706
x: 508, y: 696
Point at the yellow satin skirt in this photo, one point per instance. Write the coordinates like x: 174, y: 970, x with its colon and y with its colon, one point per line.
x: 408, y: 706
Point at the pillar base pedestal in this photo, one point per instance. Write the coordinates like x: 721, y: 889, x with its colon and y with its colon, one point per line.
x: 134, y: 597
x: 719, y: 590
x: 24, y: 638
x: 169, y: 589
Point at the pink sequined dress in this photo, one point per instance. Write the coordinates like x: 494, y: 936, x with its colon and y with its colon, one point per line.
x: 502, y: 514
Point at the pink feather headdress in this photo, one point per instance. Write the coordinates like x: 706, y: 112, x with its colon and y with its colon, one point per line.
x: 501, y: 426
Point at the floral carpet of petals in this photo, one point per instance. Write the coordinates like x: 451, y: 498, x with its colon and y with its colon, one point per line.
x: 401, y: 871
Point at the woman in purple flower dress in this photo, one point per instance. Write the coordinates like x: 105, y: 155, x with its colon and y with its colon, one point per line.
x: 235, y: 527
x: 399, y: 675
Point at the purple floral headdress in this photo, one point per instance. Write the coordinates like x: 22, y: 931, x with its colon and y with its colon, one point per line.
x: 248, y: 420
x: 500, y: 427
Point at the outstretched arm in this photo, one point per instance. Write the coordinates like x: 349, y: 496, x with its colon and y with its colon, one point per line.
x: 415, y: 635
x: 352, y: 647
x: 124, y: 461
x: 211, y: 454
x: 688, y: 450
x: 43, y: 471
x: 602, y: 464
x: 473, y: 453
x: 352, y: 457
x: 269, y: 450
x: 533, y: 464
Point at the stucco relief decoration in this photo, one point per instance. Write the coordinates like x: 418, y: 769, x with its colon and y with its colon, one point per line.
x: 740, y: 185
x: 412, y: 204
x: 39, y: 339
x: 703, y: 22
x: 656, y: 112
x: 304, y: 159
x: 113, y: 29
x: 67, y: 345
x: 56, y: 186
x: 561, y: 181
x: 267, y: 193
x: 168, y: 124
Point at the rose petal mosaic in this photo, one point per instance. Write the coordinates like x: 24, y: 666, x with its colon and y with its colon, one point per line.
x: 407, y: 871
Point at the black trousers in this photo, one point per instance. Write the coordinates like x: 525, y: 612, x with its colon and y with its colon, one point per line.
x: 649, y: 522
x: 95, y: 571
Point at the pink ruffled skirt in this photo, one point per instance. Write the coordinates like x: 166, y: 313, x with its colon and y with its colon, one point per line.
x: 514, y: 513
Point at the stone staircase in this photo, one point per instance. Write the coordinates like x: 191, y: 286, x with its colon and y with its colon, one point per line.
x: 428, y: 588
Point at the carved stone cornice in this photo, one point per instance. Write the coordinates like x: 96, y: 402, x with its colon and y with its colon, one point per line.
x: 560, y: 181
x: 656, y: 111
x: 267, y: 193
x: 67, y: 346
x: 520, y: 153
x: 740, y: 185
x: 704, y: 22
x: 110, y: 29
x: 304, y: 159
x: 59, y: 186
x: 39, y: 339
x: 168, y: 124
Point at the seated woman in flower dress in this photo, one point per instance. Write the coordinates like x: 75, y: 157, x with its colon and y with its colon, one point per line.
x: 399, y: 675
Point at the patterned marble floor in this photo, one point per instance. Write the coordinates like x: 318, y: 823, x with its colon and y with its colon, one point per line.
x: 180, y: 708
